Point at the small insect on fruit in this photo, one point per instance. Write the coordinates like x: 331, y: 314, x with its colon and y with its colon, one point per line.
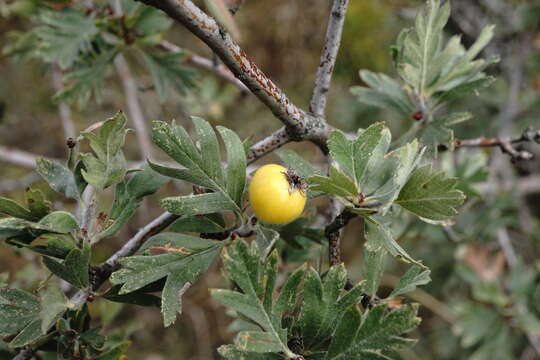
x: 277, y: 195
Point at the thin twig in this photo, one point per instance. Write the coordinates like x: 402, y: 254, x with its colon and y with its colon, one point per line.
x: 270, y: 143
x: 26, y: 353
x: 129, y: 248
x: 299, y: 124
x: 332, y: 232
x: 134, y: 107
x: 506, y: 144
x: 18, y: 157
x: 328, y: 57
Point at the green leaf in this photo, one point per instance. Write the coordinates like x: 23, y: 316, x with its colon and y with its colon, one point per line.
x: 59, y: 177
x: 337, y: 184
x: 414, y: 277
x: 18, y: 309
x: 139, y: 298
x: 439, y: 130
x: 324, y: 305
x: 236, y: 164
x: 167, y: 71
x: 53, y: 304
x: 383, y: 92
x: 380, y: 332
x: 256, y: 279
x: 234, y: 353
x: 345, y: 333
x: 107, y: 165
x: 128, y: 197
x: 356, y: 157
x: 60, y: 222
x: 209, y: 148
x: 266, y: 239
x: 398, y: 164
x: 65, y: 35
x: 28, y: 335
x: 294, y: 161
x: 11, y: 208
x: 148, y: 21
x: 185, y: 258
x: 197, y: 224
x: 37, y: 204
x: 431, y: 194
x: 10, y: 227
x: 74, y: 269
x: 198, y: 204
x: 86, y: 79
x: 379, y: 236
x: 175, y: 141
x: 374, y: 263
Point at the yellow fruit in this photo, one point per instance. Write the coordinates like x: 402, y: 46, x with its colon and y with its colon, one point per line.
x: 276, y: 194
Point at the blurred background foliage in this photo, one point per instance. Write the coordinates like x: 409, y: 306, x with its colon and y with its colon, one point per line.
x: 472, y: 309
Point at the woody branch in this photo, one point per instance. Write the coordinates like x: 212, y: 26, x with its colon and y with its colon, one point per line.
x: 299, y: 125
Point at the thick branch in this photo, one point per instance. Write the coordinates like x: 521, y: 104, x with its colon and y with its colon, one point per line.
x: 328, y: 57
x: 201, y: 62
x: 299, y: 124
x: 134, y: 107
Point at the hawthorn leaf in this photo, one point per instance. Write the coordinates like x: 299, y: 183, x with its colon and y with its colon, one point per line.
x: 383, y: 92
x: 337, y: 183
x: 198, y: 204
x: 167, y: 72
x: 18, y: 309
x: 431, y: 194
x: 379, y: 332
x: 414, y: 277
x: 209, y: 147
x: 65, y: 35
x: 379, y: 236
x: 53, y: 304
x: 175, y: 141
x: 439, y: 130
x: 60, y: 222
x: 266, y: 239
x: 11, y: 208
x: 374, y: 264
x: 85, y: 79
x: 236, y: 164
x: 128, y: 197
x: 355, y: 157
x: 198, y: 224
x: 107, y: 165
x: 292, y: 160
x: 59, y: 177
x: 182, y: 261
x: 74, y: 269
x: 37, y: 204
x: 256, y: 279
x: 323, y: 305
